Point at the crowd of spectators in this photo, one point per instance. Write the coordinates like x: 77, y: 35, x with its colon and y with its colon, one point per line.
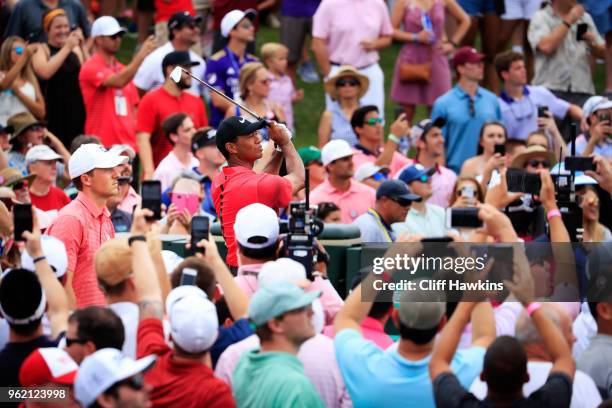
x: 94, y: 304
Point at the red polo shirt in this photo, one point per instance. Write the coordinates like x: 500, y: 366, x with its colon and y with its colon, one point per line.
x: 237, y: 187
x: 83, y: 227
x: 156, y: 106
x: 164, y: 9
x: 185, y: 384
x: 110, y: 111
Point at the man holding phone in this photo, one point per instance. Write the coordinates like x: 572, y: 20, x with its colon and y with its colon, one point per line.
x: 598, y: 138
x: 84, y: 224
x: 237, y: 185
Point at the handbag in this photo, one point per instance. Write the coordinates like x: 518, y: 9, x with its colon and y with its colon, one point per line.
x: 419, y: 73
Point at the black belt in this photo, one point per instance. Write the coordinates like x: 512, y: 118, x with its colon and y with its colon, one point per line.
x: 367, y: 66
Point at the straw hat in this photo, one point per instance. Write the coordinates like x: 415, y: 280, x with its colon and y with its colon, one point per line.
x: 21, y: 122
x: 343, y: 72
x: 531, y: 152
x: 10, y: 176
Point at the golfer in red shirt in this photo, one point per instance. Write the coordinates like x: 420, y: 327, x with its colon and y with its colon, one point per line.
x: 238, y: 185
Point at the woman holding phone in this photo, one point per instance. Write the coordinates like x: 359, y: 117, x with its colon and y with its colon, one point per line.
x: 492, y: 136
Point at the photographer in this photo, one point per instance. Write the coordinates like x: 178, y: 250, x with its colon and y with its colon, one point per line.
x: 238, y: 185
x: 596, y: 139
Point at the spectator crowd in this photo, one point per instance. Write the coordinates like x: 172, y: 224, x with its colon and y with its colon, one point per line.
x: 93, y: 304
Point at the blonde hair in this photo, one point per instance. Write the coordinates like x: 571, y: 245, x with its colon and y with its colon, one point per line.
x: 5, y: 60
x: 247, y: 76
x: 269, y: 50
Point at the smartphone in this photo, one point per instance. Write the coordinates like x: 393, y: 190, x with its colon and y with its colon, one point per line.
x: 500, y: 148
x: 582, y: 28
x: 189, y: 202
x: 151, y: 198
x: 200, y: 226
x: 542, y: 111
x: 519, y: 181
x: 463, y: 218
x: 467, y: 192
x: 188, y: 276
x: 22, y: 220
x: 579, y: 163
x: 437, y: 239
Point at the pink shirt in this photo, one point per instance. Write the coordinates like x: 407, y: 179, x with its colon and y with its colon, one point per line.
x: 282, y: 92
x: 352, y: 202
x: 442, y: 184
x: 344, y: 24
x: 319, y: 359
x: 330, y: 300
x: 398, y: 161
x: 170, y: 167
x: 129, y: 201
x: 83, y: 227
x: 371, y: 329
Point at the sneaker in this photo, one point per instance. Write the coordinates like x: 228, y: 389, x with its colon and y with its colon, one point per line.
x: 308, y: 73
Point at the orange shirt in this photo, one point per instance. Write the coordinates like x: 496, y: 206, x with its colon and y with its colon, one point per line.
x: 83, y: 228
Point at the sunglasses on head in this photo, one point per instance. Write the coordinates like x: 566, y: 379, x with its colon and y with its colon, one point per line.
x: 70, y: 342
x: 347, y: 81
x: 537, y: 163
x: 374, y: 121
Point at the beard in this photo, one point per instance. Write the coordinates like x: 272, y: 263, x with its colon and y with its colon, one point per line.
x: 182, y: 84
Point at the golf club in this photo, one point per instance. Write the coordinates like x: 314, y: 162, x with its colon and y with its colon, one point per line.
x: 176, y: 77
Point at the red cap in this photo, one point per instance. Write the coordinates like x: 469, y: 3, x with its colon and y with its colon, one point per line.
x: 465, y: 55
x: 48, y: 365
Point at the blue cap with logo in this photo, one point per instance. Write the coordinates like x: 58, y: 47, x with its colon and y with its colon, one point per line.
x: 414, y: 173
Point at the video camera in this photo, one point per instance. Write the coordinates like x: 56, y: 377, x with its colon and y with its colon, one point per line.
x: 302, y: 228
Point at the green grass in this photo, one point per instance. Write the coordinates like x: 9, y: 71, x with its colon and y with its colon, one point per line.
x: 308, y: 111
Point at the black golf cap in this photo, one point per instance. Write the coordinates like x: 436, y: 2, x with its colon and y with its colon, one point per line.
x: 236, y: 126
x: 182, y: 18
x: 396, y: 189
x: 203, y: 138
x: 426, y: 124
x: 22, y: 300
x: 178, y: 58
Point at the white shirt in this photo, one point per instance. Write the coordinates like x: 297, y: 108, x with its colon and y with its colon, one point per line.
x: 584, y: 391
x: 130, y: 316
x: 10, y: 104
x: 432, y: 223
x: 170, y: 167
x: 150, y: 75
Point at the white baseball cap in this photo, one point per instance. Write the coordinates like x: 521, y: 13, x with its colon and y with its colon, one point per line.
x: 334, y: 150
x: 93, y: 156
x: 102, y: 369
x: 104, y: 26
x: 233, y: 17
x: 256, y: 226
x: 119, y: 149
x: 41, y: 152
x: 368, y: 170
x: 281, y: 270
x: 54, y: 250
x: 194, y: 324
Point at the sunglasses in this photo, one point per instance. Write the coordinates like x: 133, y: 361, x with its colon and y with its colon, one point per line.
x: 423, y: 178
x: 537, y: 163
x: 70, y: 342
x: 265, y: 81
x: 35, y: 127
x: 374, y: 121
x: 402, y: 202
x: 246, y: 25
x: 471, y: 107
x: 19, y: 50
x: 344, y: 82
x: 379, y: 176
x: 124, y: 180
x: 20, y: 185
x: 135, y: 382
x: 115, y: 36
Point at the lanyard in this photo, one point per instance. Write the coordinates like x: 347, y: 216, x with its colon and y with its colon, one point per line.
x: 380, y: 224
x: 235, y: 64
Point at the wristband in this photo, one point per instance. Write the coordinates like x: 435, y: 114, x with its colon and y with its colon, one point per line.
x: 568, y: 25
x: 414, y: 37
x: 553, y: 213
x: 40, y: 258
x: 533, y: 306
x: 394, y: 138
x: 136, y: 238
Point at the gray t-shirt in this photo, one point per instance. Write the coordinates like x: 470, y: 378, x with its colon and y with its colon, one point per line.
x: 596, y: 361
x: 373, y: 228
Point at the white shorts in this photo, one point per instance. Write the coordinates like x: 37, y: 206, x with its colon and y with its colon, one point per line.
x: 521, y: 9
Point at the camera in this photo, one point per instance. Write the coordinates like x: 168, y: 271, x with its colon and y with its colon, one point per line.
x: 302, y: 228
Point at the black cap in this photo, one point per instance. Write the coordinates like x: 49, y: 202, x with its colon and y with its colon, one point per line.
x: 426, y: 124
x: 22, y: 300
x: 6, y: 129
x: 235, y: 126
x: 396, y: 189
x: 203, y: 138
x: 178, y: 58
x: 181, y: 18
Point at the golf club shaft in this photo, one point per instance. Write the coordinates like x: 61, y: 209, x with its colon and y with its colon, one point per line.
x: 224, y: 96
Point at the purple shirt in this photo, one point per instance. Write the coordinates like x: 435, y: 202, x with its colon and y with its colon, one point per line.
x: 223, y: 72
x: 299, y: 8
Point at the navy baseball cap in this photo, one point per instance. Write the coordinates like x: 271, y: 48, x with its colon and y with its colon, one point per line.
x: 178, y: 58
x: 413, y: 173
x: 235, y: 126
x: 395, y: 189
x: 425, y: 125
x: 203, y: 138
x: 182, y: 18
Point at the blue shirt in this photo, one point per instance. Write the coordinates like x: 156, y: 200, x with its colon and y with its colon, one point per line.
x: 223, y: 73
x: 462, y: 129
x: 207, y: 204
x: 521, y: 116
x: 377, y: 378
x: 238, y: 331
x: 373, y: 228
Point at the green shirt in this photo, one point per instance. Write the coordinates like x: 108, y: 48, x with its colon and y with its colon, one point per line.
x: 271, y: 380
